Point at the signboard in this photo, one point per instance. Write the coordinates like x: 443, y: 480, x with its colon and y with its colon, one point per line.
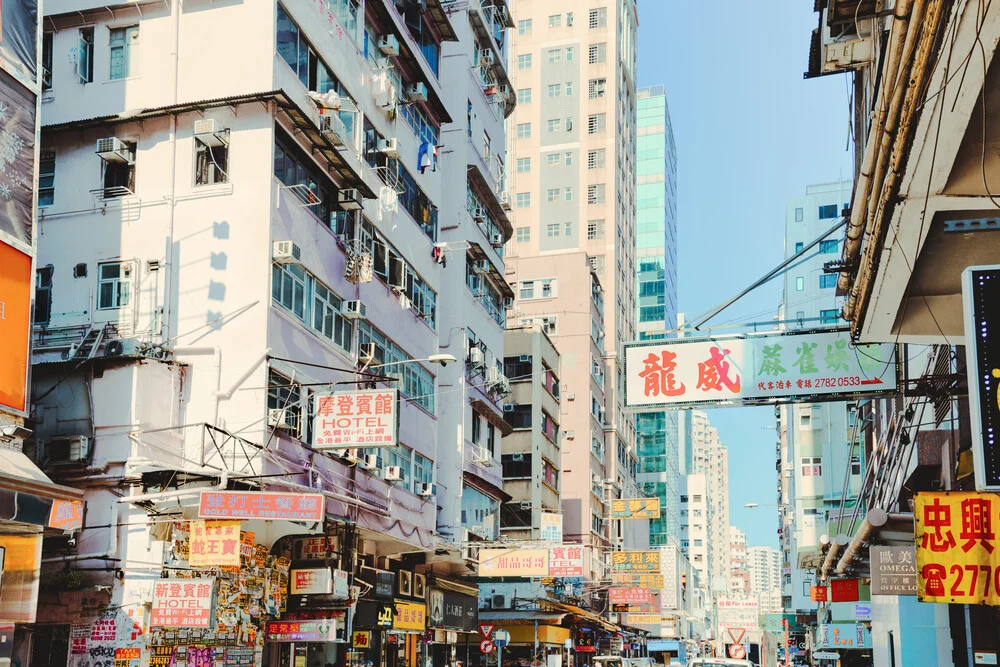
x: 513, y: 562
x: 410, y: 616
x: 894, y: 570
x: 127, y: 657
x: 182, y: 603
x: 619, y: 595
x: 486, y: 629
x: 312, y: 630
x: 980, y: 295
x: 843, y: 635
x: 313, y: 548
x: 372, y: 614
x: 826, y: 655
x: 738, y: 615
x: 78, y: 636
x: 551, y: 528
x: 361, y: 639
x: 818, y: 593
x: 668, y: 568
x: 862, y: 611
x: 16, y: 285
x: 756, y: 368
x: 566, y: 561
x: 450, y: 610
x: 635, y: 508
x: 650, y: 581
x: 261, y: 505
x: 316, y: 581
x: 617, y: 645
x: 844, y: 590
x: 66, y: 515
x: 635, y: 561
x: 641, y: 619
x: 985, y: 658
x: 501, y: 638
x: 486, y: 646
x: 355, y: 419
x: 214, y: 543
x: 340, y: 588
x: 737, y: 651
x: 956, y: 542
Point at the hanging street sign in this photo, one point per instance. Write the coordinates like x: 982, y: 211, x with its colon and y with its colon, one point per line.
x: 635, y: 508
x: 894, y: 570
x: 980, y: 294
x: 349, y: 419
x: 754, y: 369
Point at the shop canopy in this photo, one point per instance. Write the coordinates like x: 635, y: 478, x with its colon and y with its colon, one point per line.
x: 28, y: 496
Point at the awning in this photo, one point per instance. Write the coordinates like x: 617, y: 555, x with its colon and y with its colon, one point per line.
x: 18, y: 473
x: 582, y: 613
x: 663, y: 645
x: 521, y: 617
x: 28, y: 497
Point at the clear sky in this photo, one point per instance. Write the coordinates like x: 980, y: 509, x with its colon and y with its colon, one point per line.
x: 750, y: 132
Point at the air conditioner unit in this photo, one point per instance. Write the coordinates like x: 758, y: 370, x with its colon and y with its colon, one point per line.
x: 505, y: 201
x: 113, y: 149
x: 389, y: 147
x: 504, y: 90
x: 67, y: 449
x: 353, y: 310
x: 508, y: 302
x: 479, y: 214
x: 517, y: 457
x: 570, y: 434
x: 388, y: 45
x: 494, y: 376
x: 119, y: 347
x: 499, y: 601
x: 509, y: 407
x: 416, y: 92
x: 394, y: 474
x: 286, y: 252
x: 333, y: 128
x: 352, y: 455
x: 366, y: 352
x: 426, y: 490
x: 481, y: 266
x: 486, y: 56
x: 349, y: 199
x: 496, y: 240
x: 277, y: 418
x: 370, y: 461
x: 525, y: 358
x: 476, y: 357
x: 481, y: 455
x: 209, y: 133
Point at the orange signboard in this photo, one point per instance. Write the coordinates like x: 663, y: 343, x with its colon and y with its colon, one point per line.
x: 66, y: 515
x: 15, y: 325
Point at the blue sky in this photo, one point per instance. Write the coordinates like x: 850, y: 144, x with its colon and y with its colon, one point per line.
x: 750, y: 132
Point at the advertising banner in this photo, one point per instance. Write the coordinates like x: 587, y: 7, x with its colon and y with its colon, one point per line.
x: 958, y: 560
x: 19, y: 40
x: 552, y: 527
x: 450, y: 610
x: 410, y: 616
x: 306, y: 507
x: 66, y: 515
x: 179, y: 603
x: 641, y: 619
x: 311, y: 630
x: 843, y: 636
x: 981, y: 293
x: 742, y: 614
x: 844, y: 590
x: 566, y: 561
x: 668, y: 567
x: 635, y: 561
x: 635, y: 508
x: 315, y: 581
x: 20, y: 561
x: 355, y: 419
x: 513, y: 562
x: 214, y: 543
x: 16, y: 287
x: 651, y: 581
x: 756, y: 368
x: 618, y: 595
x: 894, y: 570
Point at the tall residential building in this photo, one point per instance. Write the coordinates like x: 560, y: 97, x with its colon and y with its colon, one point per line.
x: 311, y: 204
x: 739, y: 574
x: 704, y: 454
x: 764, y: 567
x: 573, y: 256
x: 656, y: 306
x: 814, y: 450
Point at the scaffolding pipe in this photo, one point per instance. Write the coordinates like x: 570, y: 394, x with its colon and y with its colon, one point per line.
x: 875, y: 519
x: 836, y: 546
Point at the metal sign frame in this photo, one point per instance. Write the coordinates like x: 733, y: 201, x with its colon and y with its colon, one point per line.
x: 975, y: 348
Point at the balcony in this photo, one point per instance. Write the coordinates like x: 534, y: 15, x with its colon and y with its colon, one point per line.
x: 489, y: 19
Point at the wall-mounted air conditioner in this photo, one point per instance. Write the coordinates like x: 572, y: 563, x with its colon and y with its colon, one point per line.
x: 476, y: 357
x: 349, y: 199
x: 388, y: 45
x: 496, y: 240
x: 394, y: 474
x: 353, y: 310
x: 389, y: 147
x: 499, y: 601
x: 370, y: 462
x: 366, y: 353
x: 481, y: 455
x: 286, y: 252
x: 426, y: 490
x: 113, y: 149
x: 333, y: 128
x: 208, y: 132
x: 416, y: 92
x: 481, y: 266
x: 479, y: 214
x: 67, y: 449
x: 486, y: 56
x: 277, y: 418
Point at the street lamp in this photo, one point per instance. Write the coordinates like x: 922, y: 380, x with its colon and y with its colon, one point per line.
x: 443, y: 359
x: 753, y: 505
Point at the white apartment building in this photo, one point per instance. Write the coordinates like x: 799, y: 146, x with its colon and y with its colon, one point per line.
x: 739, y: 574
x: 572, y: 181
x: 764, y: 567
x: 814, y: 453
x: 292, y: 208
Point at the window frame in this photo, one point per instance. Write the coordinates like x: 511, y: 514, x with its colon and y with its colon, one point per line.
x: 120, y: 298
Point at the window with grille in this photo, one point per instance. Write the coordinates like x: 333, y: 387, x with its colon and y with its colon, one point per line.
x: 597, y: 53
x: 596, y: 88
x: 595, y: 193
x: 595, y: 229
x: 596, y: 159
x: 597, y: 123
x: 286, y: 395
x: 812, y: 466
x: 598, y: 18
x: 597, y: 264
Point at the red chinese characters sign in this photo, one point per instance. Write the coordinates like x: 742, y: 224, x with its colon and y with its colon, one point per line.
x: 636, y: 596
x: 958, y: 557
x: 214, y: 543
x: 253, y: 505
x: 566, y: 561
x: 182, y: 603
x: 818, y: 593
x: 844, y: 590
x: 66, y: 515
x: 755, y: 369
x: 355, y: 419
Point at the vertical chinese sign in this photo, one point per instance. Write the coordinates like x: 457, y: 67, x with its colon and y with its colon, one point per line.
x: 754, y: 369
x: 355, y: 419
x: 958, y: 558
x: 183, y: 603
x: 981, y: 293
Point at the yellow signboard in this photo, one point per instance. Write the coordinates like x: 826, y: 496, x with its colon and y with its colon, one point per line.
x: 513, y: 562
x: 641, y: 619
x: 214, y: 543
x: 635, y: 508
x: 635, y: 561
x: 410, y: 616
x: 958, y: 554
x: 653, y: 582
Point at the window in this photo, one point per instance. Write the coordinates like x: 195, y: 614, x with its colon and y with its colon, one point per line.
x: 553, y: 159
x: 47, y: 61
x: 553, y: 124
x: 550, y: 475
x: 828, y: 211
x: 526, y: 290
x: 524, y: 61
x: 595, y: 229
x: 114, y: 288
x: 598, y: 18
x: 523, y: 95
x: 800, y: 284
x: 283, y: 394
x: 85, y: 55
x: 855, y: 465
x: 798, y: 215
x: 477, y: 427
x: 291, y: 167
x: 569, y: 53
x: 124, y: 44
x: 549, y: 286
x: 569, y: 19
x: 552, y: 230
x: 828, y: 280
x: 555, y: 55
x: 568, y: 194
x: 119, y: 176
x: 596, y: 88
x: 413, y: 380
x: 523, y: 199
x: 811, y: 466
x: 516, y: 466
x: 523, y: 234
x: 569, y: 158
x: 524, y: 27
x: 569, y: 124
x: 597, y: 264
x: 327, y: 318
x: 596, y: 158
x: 830, y: 316
x: 43, y: 295
x: 523, y: 165
x: 212, y: 162
x: 554, y: 90
x: 569, y: 88
x: 595, y: 193
x: 597, y: 53
x: 289, y: 286
x: 523, y: 130
x: 552, y: 194
x: 827, y: 247
x: 798, y: 247
x: 423, y: 471
x: 555, y: 20
x: 46, y: 178
x: 597, y: 123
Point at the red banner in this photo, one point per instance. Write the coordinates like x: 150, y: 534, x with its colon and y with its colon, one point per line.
x: 260, y: 505
x: 629, y: 595
x: 844, y: 590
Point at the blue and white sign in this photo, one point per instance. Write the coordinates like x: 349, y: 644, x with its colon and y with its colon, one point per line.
x: 862, y: 611
x: 552, y: 527
x: 501, y: 638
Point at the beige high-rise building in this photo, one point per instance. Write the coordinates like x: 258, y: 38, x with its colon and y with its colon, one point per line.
x: 572, y: 182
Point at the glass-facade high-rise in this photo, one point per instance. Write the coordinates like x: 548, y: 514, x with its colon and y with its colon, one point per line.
x: 656, y: 303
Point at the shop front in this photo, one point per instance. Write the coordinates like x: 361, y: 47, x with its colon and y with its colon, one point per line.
x: 535, y: 645
x: 410, y: 636
x: 453, y: 615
